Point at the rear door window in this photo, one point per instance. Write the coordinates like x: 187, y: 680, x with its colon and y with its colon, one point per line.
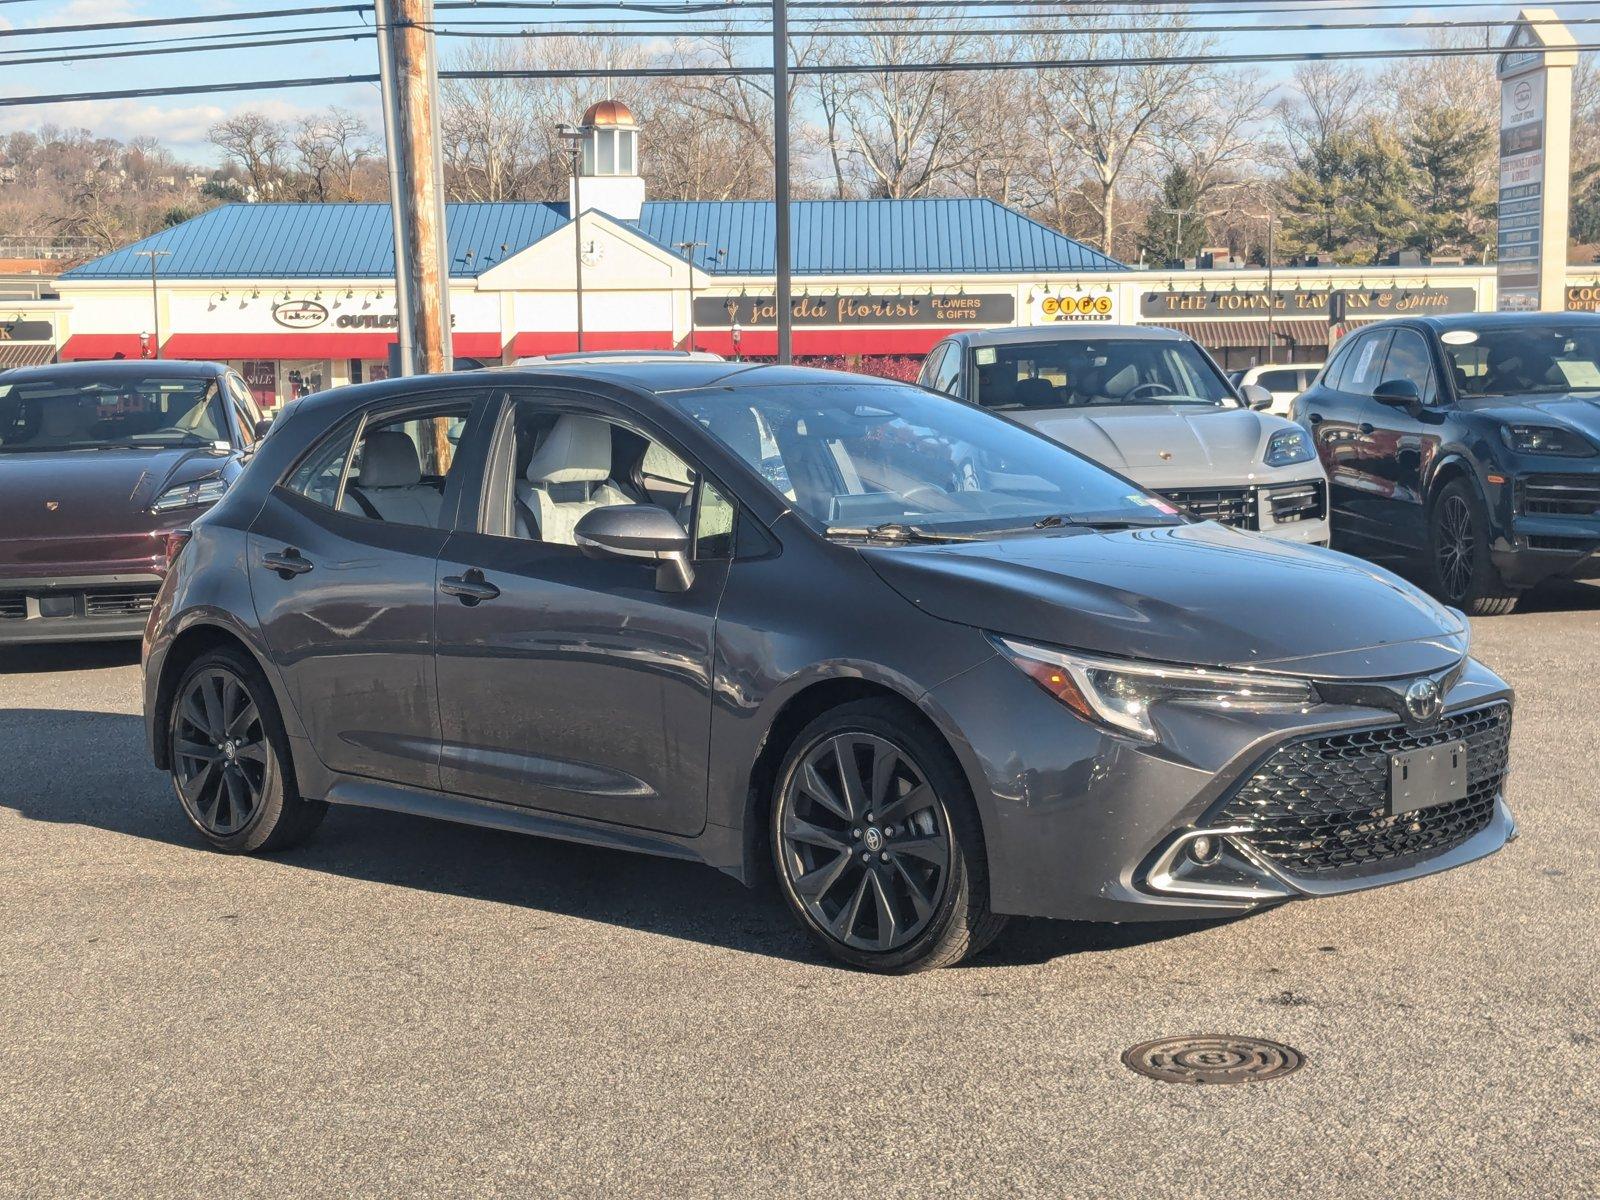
x: 1365, y: 368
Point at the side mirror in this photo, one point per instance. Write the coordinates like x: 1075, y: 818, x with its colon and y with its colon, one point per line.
x: 264, y: 424
x: 1255, y: 396
x: 1398, y: 393
x: 639, y: 531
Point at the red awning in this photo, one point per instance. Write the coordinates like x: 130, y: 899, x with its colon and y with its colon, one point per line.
x: 764, y: 342
x: 89, y: 346
x: 343, y: 344
x: 525, y: 344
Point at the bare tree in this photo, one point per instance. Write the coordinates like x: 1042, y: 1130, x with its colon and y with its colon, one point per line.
x: 1108, y: 115
x: 256, y: 143
x: 1327, y: 99
x: 331, y: 148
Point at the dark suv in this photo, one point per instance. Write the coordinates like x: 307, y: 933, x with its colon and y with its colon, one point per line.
x: 99, y: 462
x: 930, y: 665
x: 1465, y: 451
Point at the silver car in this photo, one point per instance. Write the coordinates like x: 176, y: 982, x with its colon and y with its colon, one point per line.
x: 1150, y: 404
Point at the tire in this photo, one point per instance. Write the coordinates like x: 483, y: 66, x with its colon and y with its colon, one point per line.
x: 240, y: 794
x: 920, y: 898
x: 1460, y: 572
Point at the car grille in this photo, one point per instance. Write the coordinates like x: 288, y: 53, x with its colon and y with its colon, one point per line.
x: 1560, y: 495
x: 1229, y: 506
x: 13, y: 608
x: 125, y: 603
x: 1320, y: 807
x: 1291, y: 502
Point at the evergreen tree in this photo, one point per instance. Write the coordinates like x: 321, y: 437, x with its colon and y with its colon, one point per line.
x: 1445, y: 146
x: 1176, y: 226
x: 1350, y: 195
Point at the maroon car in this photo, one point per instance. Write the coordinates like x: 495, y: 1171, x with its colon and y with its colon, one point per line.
x: 99, y: 462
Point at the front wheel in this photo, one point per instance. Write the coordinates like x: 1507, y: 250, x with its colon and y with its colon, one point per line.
x: 877, y: 844
x: 1458, y: 545
x: 230, y: 758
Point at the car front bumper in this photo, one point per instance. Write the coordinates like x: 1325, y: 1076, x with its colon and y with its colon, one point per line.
x: 78, y: 608
x: 1293, y: 510
x: 1082, y: 824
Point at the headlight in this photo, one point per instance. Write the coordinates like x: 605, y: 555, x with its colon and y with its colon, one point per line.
x: 190, y: 495
x: 1287, y: 447
x: 1119, y: 694
x: 1546, y: 439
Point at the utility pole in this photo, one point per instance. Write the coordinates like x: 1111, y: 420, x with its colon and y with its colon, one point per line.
x: 408, y: 76
x: 688, y: 249
x: 780, y: 179
x: 572, y: 135
x: 155, y: 299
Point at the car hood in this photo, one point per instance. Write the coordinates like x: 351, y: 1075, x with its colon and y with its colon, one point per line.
x: 1200, y: 595
x: 1160, y: 444
x: 1575, y: 412
x: 68, y: 493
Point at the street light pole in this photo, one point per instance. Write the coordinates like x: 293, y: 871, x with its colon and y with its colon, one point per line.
x: 155, y: 299
x: 780, y: 178
x: 572, y: 135
x: 688, y: 249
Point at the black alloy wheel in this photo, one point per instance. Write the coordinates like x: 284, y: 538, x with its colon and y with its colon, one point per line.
x: 876, y: 842
x: 220, y: 754
x: 229, y: 758
x: 1459, y: 546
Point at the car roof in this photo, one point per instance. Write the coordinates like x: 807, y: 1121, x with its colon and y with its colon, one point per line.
x: 114, y: 368
x: 659, y: 378
x: 1506, y: 320
x: 1027, y: 334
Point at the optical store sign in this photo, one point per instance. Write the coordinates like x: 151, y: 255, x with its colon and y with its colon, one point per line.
x: 1306, y: 302
x: 868, y: 309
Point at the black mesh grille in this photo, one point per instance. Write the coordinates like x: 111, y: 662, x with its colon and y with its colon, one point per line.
x: 1320, y: 806
x: 1298, y: 501
x: 13, y: 607
x: 1560, y: 495
x: 1230, y: 506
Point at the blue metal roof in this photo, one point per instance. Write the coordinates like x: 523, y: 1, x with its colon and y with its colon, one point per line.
x: 321, y: 241
x: 829, y: 237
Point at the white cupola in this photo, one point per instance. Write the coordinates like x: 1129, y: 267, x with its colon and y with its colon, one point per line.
x: 608, y: 166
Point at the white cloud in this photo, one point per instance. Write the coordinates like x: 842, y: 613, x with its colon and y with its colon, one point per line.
x: 82, y: 12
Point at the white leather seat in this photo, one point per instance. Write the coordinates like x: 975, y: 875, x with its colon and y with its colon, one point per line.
x: 390, y: 482
x: 569, y: 476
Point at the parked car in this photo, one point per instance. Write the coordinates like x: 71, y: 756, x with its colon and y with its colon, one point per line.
x: 1284, y: 380
x: 1465, y: 450
x: 99, y: 462
x: 947, y: 671
x: 1151, y: 404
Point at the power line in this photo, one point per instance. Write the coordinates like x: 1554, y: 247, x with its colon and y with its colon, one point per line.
x: 157, y: 22
x: 353, y: 35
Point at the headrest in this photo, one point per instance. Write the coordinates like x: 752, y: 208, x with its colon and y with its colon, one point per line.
x: 1035, y: 391
x: 388, y: 459
x: 67, y: 418
x: 576, y: 450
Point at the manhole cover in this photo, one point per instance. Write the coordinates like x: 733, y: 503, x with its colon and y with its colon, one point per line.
x: 1212, y: 1058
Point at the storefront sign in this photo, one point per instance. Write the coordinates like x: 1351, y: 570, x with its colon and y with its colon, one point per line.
x: 299, y: 314
x: 1076, y: 307
x: 923, y: 309
x: 23, y: 330
x: 261, y: 377
x: 1584, y: 299
x: 1305, y: 302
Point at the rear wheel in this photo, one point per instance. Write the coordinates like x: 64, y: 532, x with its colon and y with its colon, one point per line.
x: 230, y: 758
x: 876, y: 842
x: 1458, y: 545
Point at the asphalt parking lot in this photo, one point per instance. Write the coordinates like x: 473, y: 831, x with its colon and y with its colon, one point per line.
x: 410, y: 1008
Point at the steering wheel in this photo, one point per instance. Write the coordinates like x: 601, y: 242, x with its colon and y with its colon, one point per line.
x: 1145, y: 387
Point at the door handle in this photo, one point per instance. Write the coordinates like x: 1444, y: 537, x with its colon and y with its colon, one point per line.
x: 287, y: 563
x: 469, y: 588
x: 1366, y: 427
x: 1315, y: 418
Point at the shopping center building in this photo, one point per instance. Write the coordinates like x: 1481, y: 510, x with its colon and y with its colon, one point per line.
x: 300, y: 297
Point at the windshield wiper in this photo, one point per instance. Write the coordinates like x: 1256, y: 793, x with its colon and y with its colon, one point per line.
x: 898, y: 531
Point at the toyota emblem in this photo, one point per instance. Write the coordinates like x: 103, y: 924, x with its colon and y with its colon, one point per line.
x: 1423, y: 701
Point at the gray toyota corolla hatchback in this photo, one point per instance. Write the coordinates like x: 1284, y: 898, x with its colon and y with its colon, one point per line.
x: 931, y: 666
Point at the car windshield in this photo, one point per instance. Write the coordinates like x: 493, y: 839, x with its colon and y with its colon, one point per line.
x: 1075, y: 373
x: 883, y: 459
x: 110, y: 411
x: 1528, y: 359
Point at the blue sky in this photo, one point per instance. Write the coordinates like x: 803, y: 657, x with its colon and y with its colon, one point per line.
x: 182, y: 122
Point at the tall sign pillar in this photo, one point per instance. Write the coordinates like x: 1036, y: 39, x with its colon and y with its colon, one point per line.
x: 1535, y: 162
